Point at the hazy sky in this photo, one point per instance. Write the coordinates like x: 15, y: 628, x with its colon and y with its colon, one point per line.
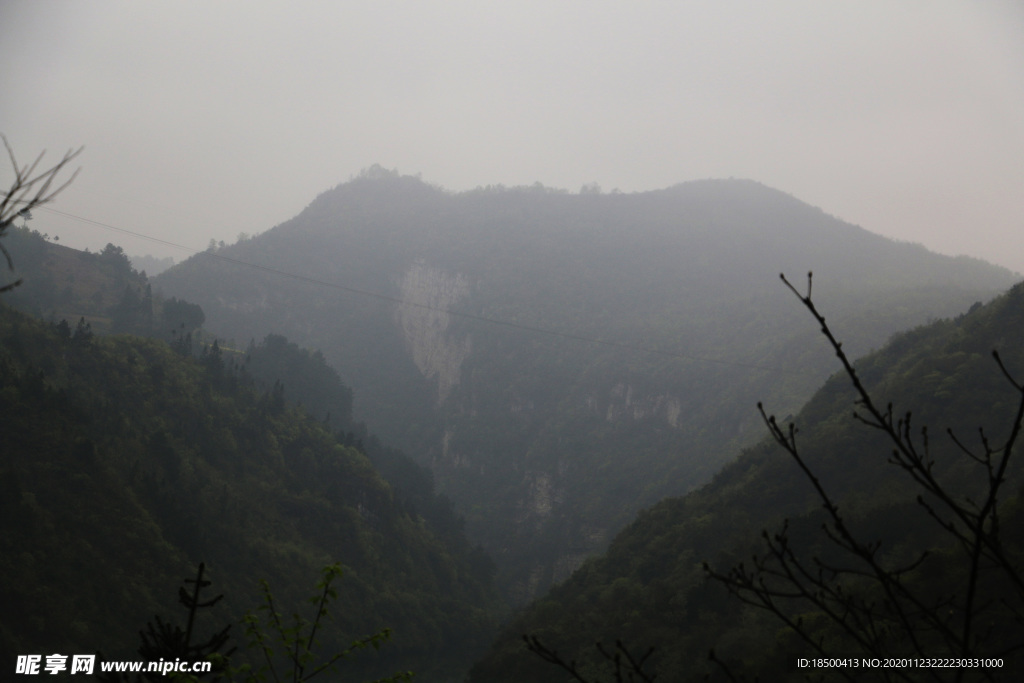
x: 207, y: 119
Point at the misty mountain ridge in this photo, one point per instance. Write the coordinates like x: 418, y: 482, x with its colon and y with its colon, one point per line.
x: 550, y: 443
x: 151, y: 265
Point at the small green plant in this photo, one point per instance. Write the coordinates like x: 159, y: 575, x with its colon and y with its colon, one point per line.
x: 287, y: 645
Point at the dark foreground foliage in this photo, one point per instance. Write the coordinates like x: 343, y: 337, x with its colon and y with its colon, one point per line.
x: 125, y: 463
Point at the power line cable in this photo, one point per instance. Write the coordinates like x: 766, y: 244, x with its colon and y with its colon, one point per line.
x: 403, y: 302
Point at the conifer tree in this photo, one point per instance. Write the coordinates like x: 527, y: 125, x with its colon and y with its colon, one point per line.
x: 162, y: 641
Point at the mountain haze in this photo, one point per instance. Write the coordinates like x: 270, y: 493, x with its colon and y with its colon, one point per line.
x: 561, y: 361
x: 649, y: 589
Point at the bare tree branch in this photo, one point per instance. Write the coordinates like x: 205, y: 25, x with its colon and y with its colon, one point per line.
x: 625, y: 667
x: 876, y: 606
x: 28, y: 190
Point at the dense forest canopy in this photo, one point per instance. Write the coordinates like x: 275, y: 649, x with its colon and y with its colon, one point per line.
x: 128, y: 460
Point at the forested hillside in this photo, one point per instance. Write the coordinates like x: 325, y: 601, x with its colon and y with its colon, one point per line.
x: 60, y: 282
x: 126, y: 462
x: 650, y: 588
x: 561, y: 361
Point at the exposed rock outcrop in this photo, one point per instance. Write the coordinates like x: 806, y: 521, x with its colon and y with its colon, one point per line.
x: 428, y: 294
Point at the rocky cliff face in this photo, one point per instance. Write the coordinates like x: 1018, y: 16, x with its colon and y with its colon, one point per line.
x: 427, y: 294
x: 624, y: 403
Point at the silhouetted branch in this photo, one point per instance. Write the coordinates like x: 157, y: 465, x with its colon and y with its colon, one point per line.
x: 28, y: 190
x: 625, y: 666
x: 876, y: 606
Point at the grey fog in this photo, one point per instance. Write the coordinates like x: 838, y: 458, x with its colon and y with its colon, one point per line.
x: 206, y: 120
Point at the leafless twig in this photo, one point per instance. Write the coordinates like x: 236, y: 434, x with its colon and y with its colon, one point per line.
x: 871, y: 603
x: 29, y: 189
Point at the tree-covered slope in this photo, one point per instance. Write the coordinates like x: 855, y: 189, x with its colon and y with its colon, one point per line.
x: 650, y: 588
x: 103, y: 289
x: 547, y: 440
x: 125, y: 464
